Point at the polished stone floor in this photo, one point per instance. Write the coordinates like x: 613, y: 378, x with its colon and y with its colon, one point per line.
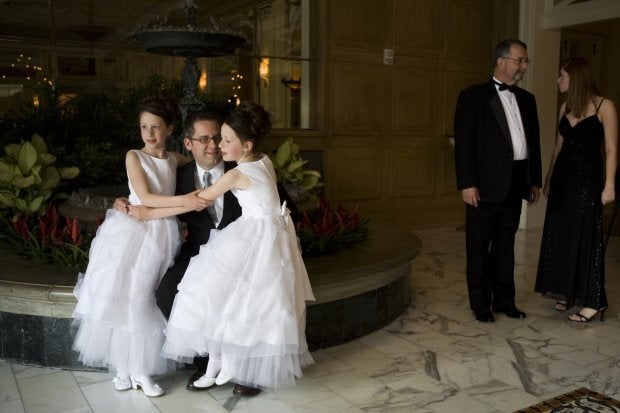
x: 434, y: 358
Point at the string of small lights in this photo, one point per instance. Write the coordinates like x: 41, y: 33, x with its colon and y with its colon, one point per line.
x: 24, y: 68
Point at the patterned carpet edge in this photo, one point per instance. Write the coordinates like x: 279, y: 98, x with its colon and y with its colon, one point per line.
x: 580, y: 400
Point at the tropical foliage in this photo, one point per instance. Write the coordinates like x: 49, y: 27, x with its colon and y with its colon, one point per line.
x: 290, y: 169
x: 30, y: 187
x: 28, y: 176
x: 95, y: 128
x: 328, y: 230
x: 47, y: 237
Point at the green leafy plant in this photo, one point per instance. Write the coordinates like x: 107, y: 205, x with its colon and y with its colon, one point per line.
x: 30, y: 225
x: 47, y: 237
x: 96, y: 127
x: 28, y: 177
x: 327, y: 230
x: 290, y: 169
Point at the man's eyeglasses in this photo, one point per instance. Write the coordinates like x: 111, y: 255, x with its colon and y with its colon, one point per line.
x: 205, y: 140
x: 520, y: 60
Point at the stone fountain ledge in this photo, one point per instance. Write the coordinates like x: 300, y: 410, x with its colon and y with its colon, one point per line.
x: 358, y: 291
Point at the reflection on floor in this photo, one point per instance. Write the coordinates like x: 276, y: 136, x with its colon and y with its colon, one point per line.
x: 434, y: 358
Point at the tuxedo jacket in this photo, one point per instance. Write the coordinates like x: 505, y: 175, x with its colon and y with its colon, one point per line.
x: 483, y: 147
x: 199, y: 223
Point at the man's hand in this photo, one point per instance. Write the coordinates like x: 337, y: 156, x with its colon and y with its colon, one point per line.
x: 534, y: 196
x: 471, y: 196
x: 121, y: 204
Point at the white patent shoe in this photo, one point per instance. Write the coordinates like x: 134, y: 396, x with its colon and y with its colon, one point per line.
x: 121, y: 384
x: 204, y: 381
x: 149, y: 388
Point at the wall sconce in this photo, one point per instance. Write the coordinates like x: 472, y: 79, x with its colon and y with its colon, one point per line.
x: 202, y: 82
x: 263, y: 70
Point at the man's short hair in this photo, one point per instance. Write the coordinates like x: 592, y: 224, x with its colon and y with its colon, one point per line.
x: 502, y: 49
x: 196, y: 116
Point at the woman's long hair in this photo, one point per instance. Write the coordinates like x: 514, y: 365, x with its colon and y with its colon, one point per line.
x: 582, y: 86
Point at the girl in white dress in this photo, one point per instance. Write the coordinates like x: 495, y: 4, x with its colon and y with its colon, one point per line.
x: 242, y: 298
x: 118, y: 323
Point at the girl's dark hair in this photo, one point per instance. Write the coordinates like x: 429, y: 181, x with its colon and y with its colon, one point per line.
x: 160, y: 105
x: 582, y: 85
x: 250, y: 122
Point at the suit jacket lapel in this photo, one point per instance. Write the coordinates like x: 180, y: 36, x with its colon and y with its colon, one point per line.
x: 228, y: 200
x: 186, y: 182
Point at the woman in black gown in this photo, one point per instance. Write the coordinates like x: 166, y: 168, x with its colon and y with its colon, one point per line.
x: 571, y: 267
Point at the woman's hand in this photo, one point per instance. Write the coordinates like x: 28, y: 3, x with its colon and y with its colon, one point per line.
x: 608, y: 195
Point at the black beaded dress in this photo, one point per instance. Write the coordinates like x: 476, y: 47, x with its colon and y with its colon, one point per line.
x: 571, y: 265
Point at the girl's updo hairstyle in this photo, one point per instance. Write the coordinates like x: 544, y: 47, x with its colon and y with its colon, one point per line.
x: 250, y: 122
x: 161, y: 105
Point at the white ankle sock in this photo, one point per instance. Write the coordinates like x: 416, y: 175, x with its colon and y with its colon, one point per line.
x: 214, y: 366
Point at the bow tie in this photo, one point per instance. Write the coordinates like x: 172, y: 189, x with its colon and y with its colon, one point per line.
x: 504, y: 86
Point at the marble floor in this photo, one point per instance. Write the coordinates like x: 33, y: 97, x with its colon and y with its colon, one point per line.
x: 434, y: 358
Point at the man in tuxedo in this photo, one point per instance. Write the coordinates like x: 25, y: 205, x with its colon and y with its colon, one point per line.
x: 497, y: 155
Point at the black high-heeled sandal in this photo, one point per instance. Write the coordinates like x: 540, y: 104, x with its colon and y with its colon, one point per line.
x: 583, y: 319
x: 560, y: 306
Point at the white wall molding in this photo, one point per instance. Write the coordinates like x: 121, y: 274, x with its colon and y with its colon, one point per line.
x: 569, y: 13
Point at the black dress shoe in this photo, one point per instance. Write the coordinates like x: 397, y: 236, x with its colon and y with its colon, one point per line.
x: 190, y: 383
x: 512, y: 312
x: 240, y: 390
x: 485, y: 317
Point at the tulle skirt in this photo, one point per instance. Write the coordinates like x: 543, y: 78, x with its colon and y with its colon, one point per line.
x: 244, y: 296
x: 118, y: 323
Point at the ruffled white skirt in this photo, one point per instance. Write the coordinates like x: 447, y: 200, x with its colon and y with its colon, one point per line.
x: 244, y: 296
x: 119, y: 325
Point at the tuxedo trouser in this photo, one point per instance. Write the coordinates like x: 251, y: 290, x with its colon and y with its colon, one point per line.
x: 167, y: 290
x: 490, y: 238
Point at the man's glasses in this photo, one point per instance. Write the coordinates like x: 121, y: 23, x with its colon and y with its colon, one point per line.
x: 205, y: 140
x: 520, y: 60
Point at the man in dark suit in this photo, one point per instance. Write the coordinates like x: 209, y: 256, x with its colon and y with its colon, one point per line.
x: 497, y: 155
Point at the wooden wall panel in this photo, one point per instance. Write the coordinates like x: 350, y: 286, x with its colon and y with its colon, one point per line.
x: 357, y: 99
x: 387, y: 126
x: 467, y: 30
x: 418, y: 27
x: 415, y: 94
x: 357, y: 174
x: 358, y: 23
x: 412, y: 172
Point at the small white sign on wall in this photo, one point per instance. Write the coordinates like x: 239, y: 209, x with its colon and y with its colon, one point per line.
x: 388, y: 56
